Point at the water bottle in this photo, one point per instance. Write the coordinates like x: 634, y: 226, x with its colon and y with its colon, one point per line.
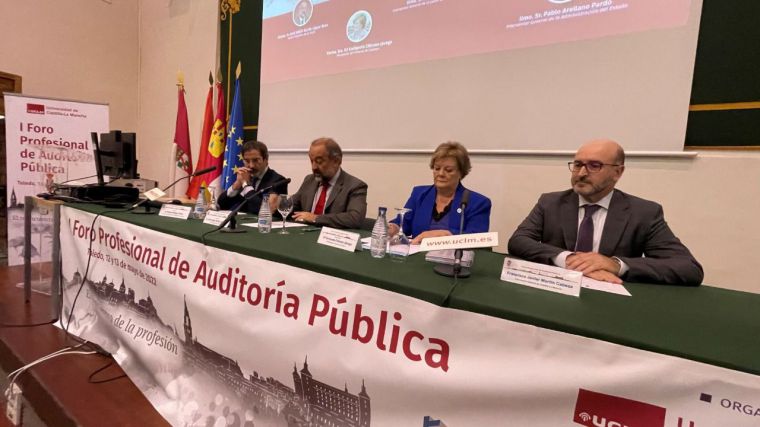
x: 379, y: 243
x: 199, y: 211
x: 265, y: 215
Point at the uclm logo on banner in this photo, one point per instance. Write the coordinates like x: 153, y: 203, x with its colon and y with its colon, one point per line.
x: 594, y: 409
x: 35, y: 108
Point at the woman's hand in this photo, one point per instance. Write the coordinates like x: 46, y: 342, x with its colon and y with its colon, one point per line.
x: 392, y: 229
x: 430, y: 233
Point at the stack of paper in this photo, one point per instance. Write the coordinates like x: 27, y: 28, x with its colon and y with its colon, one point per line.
x: 447, y: 257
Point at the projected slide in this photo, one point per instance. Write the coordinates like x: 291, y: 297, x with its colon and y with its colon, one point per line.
x: 305, y: 38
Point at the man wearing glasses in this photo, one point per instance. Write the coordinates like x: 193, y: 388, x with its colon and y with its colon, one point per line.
x: 254, y: 175
x: 329, y: 196
x: 605, y: 233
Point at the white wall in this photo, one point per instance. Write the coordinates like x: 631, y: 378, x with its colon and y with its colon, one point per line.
x: 177, y: 35
x: 75, y: 49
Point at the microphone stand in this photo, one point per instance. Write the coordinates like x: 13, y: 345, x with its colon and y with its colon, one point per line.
x: 146, y: 203
x: 232, y: 222
x: 456, y: 270
x: 231, y: 216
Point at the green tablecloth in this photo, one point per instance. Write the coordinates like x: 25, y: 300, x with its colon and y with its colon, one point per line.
x: 706, y: 324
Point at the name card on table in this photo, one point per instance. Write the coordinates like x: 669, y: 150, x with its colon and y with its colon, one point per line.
x: 340, y: 239
x: 154, y: 194
x: 542, y: 276
x: 175, y: 211
x: 461, y: 241
x: 215, y: 217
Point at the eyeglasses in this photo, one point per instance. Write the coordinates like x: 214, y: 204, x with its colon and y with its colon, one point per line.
x: 592, y: 166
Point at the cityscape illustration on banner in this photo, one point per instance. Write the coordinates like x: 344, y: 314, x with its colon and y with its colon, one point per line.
x: 336, y: 36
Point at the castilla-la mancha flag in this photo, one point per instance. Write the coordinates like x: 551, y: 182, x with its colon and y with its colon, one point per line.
x: 182, y: 156
x: 212, y: 143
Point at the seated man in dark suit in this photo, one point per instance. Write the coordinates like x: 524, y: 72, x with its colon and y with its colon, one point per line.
x: 253, y: 176
x: 604, y: 233
x: 329, y: 195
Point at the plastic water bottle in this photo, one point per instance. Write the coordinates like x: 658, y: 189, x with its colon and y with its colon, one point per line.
x: 379, y: 243
x: 265, y: 215
x: 199, y: 211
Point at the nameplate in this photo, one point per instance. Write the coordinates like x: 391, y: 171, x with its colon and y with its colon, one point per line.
x: 175, y: 211
x: 461, y: 241
x: 540, y: 276
x: 154, y: 194
x: 340, y: 239
x: 215, y: 217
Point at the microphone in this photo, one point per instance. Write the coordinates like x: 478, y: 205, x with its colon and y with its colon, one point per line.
x: 201, y: 172
x: 194, y: 174
x: 75, y: 179
x: 463, y: 204
x: 249, y: 196
x: 456, y: 270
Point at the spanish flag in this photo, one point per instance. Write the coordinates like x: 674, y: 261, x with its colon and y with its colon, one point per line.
x: 212, y: 147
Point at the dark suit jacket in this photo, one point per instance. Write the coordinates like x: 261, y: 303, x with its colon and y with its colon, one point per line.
x: 346, y: 206
x: 635, y: 231
x: 476, y: 215
x: 252, y: 206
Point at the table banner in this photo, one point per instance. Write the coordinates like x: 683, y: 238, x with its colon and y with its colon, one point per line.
x: 48, y: 141
x: 213, y: 337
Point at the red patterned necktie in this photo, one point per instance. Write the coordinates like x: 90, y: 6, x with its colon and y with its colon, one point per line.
x: 320, y: 208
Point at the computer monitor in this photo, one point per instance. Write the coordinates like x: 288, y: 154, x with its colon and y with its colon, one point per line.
x: 116, y: 155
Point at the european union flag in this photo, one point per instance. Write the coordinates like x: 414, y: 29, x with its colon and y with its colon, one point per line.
x: 233, y: 157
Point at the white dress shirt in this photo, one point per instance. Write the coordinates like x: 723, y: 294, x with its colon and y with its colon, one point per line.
x: 332, y: 182
x: 231, y: 192
x: 598, y: 218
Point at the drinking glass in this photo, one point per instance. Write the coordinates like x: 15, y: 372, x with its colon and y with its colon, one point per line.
x: 400, y: 244
x: 284, y: 207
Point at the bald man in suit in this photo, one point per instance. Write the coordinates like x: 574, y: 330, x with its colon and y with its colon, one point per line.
x: 330, y: 196
x: 603, y: 232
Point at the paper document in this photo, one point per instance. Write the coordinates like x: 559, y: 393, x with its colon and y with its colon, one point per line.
x: 367, y: 241
x: 276, y: 225
x: 598, y: 285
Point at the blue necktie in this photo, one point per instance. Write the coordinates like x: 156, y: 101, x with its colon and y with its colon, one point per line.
x: 585, y: 242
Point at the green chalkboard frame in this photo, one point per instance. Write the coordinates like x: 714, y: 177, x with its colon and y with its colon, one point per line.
x: 725, y: 96
x: 240, y: 42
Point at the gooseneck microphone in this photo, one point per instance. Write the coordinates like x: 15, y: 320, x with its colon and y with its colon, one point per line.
x: 457, y: 270
x: 200, y: 172
x: 147, y: 202
x: 251, y: 194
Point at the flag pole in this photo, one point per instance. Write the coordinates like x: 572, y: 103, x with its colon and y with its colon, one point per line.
x: 181, y: 148
x: 173, y: 154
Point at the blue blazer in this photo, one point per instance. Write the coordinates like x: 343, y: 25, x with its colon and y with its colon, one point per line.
x: 476, y: 214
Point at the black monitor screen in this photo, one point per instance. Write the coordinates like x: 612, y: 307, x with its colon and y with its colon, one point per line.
x: 118, y: 154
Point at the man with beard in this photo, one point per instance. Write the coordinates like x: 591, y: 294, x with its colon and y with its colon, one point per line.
x: 254, y: 175
x: 603, y: 232
x: 329, y: 195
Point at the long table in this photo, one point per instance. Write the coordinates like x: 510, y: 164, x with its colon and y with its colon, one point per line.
x: 345, y: 317
x: 706, y: 323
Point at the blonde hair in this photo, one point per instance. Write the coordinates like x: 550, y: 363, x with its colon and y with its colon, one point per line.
x: 456, y: 151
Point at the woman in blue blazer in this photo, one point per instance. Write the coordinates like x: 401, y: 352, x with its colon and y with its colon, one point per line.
x: 435, y: 208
